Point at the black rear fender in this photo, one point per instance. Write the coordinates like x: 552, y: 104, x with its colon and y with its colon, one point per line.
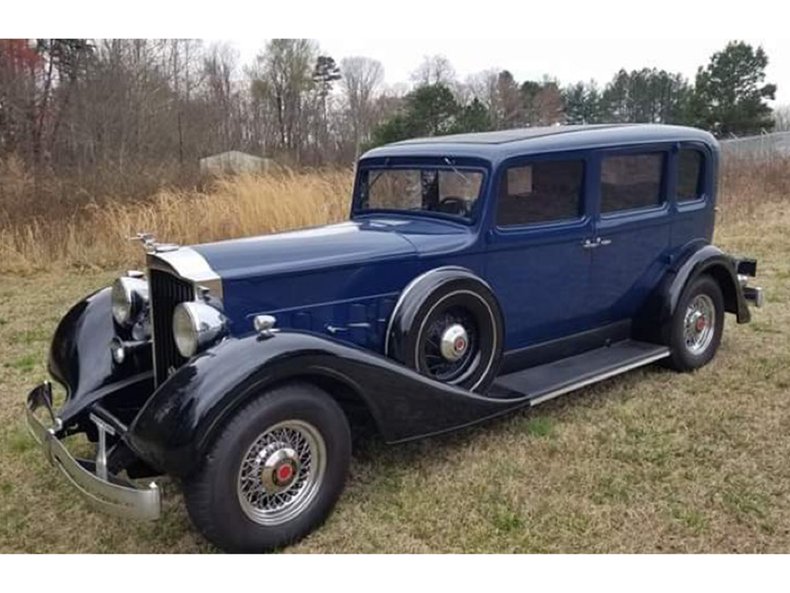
x: 696, y: 260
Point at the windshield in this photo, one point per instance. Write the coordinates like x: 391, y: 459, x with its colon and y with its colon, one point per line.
x: 451, y: 191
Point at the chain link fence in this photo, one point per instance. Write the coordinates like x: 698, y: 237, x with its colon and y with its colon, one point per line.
x: 762, y: 147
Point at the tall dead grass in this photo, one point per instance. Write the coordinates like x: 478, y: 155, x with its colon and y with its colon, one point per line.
x: 97, y: 235
x: 746, y: 183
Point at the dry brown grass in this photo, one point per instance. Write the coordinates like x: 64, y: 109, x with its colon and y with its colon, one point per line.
x: 97, y: 235
x: 746, y: 184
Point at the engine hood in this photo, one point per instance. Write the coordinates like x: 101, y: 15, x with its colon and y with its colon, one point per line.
x: 347, y: 273
x: 331, y: 246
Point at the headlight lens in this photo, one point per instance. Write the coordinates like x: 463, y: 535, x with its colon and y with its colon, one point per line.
x: 129, y: 299
x: 196, y: 326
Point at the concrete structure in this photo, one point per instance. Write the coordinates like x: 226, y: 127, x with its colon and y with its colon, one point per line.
x: 234, y: 162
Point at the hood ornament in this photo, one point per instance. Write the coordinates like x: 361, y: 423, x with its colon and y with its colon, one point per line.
x: 151, y: 245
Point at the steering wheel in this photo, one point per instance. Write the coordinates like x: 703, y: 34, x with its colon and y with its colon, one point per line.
x: 454, y: 205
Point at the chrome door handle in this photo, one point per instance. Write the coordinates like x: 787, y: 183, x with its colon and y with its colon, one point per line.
x: 604, y: 242
x: 587, y: 244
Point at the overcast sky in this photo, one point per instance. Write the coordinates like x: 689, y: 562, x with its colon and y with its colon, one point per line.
x: 568, y: 60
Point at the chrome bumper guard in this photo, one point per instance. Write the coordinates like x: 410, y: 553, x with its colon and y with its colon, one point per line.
x: 112, y: 495
x: 747, y: 268
x: 754, y: 294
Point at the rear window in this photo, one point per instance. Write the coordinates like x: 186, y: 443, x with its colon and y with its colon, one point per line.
x: 540, y: 192
x: 689, y: 175
x: 631, y: 181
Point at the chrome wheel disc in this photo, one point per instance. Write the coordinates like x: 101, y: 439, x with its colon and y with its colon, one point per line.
x: 450, y: 347
x: 454, y: 342
x: 699, y: 324
x: 281, y: 472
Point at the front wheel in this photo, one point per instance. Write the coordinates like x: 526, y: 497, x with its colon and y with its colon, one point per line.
x: 274, y: 473
x: 696, y: 327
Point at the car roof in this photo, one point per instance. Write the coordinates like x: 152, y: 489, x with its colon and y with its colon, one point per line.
x: 502, y: 144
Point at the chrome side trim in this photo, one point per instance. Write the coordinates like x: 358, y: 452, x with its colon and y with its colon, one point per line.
x: 113, y: 495
x: 189, y: 265
x: 613, y: 373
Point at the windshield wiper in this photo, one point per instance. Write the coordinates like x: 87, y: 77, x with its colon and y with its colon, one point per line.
x: 376, y: 178
x: 456, y: 171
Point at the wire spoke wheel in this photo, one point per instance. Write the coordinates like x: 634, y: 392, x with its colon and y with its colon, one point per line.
x: 447, y: 326
x: 281, y: 472
x: 699, y: 324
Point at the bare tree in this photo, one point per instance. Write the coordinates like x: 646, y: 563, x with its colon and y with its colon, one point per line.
x: 483, y: 86
x: 435, y: 69
x: 220, y: 68
x: 545, y: 106
x: 362, y: 77
x: 284, y: 80
x: 782, y: 118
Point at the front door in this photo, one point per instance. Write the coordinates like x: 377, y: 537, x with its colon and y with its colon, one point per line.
x: 632, y: 230
x: 537, y: 262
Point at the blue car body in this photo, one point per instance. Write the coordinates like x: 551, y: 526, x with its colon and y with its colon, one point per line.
x: 343, y: 280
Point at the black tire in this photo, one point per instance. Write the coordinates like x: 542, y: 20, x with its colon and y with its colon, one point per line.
x: 684, y: 356
x: 465, y: 303
x: 213, y: 494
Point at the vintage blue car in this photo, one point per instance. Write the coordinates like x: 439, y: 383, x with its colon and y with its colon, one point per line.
x: 478, y: 274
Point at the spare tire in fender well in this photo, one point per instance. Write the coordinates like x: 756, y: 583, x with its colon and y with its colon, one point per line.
x: 409, y: 312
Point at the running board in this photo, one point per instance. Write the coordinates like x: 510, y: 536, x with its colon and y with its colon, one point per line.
x: 548, y: 381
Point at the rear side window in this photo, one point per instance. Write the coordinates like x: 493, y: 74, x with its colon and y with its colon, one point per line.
x: 631, y: 181
x: 540, y: 192
x: 690, y: 167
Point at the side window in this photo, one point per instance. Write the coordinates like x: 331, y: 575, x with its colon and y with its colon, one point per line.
x: 690, y: 167
x: 540, y: 192
x: 631, y: 181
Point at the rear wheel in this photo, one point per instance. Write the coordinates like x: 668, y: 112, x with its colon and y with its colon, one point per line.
x: 696, y: 326
x: 274, y: 473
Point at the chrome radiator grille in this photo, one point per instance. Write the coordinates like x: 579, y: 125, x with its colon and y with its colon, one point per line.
x: 166, y: 291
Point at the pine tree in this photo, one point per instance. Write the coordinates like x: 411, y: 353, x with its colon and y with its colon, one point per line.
x: 730, y: 94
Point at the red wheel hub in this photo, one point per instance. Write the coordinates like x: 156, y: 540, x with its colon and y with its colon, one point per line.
x: 284, y: 473
x: 701, y: 323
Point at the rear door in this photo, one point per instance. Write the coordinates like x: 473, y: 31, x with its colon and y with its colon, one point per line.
x: 536, y: 260
x: 632, y: 229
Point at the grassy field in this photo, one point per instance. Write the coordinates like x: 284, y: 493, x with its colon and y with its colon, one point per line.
x: 652, y: 461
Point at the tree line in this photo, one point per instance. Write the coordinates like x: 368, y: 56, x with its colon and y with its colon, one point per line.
x: 72, y: 106
x: 728, y: 97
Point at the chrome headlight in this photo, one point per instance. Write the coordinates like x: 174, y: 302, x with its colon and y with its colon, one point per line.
x: 129, y: 299
x: 196, y: 326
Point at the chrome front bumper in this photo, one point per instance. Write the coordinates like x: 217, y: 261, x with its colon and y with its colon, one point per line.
x: 113, y: 495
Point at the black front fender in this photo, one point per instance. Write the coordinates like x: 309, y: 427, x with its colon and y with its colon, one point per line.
x: 80, y: 358
x: 175, y: 429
